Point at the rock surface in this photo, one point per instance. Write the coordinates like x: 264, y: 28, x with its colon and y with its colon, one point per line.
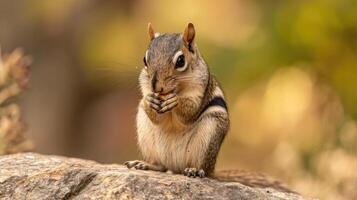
x: 35, y: 176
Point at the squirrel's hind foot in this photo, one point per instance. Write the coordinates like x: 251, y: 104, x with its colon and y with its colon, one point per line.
x: 194, y: 172
x: 142, y: 165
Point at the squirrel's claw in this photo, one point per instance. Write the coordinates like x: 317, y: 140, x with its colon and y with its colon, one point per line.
x: 130, y: 164
x: 194, y: 172
x: 137, y: 164
x: 153, y: 101
x: 169, y: 104
x: 161, y: 105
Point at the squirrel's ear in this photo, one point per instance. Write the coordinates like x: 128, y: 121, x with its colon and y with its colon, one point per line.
x: 189, y: 34
x: 151, y: 31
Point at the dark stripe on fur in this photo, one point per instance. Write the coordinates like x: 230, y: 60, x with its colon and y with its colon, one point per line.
x: 216, y: 101
x: 154, y: 81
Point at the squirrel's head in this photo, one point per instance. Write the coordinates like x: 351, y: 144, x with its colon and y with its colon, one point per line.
x: 171, y: 61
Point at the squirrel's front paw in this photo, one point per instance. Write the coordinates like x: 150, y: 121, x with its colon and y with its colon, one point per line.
x: 153, y: 101
x: 137, y: 164
x: 194, y: 172
x: 140, y: 164
x: 168, y: 103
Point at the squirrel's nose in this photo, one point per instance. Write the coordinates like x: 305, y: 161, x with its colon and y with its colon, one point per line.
x: 158, y: 89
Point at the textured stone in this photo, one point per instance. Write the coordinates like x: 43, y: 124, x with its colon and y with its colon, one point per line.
x: 35, y: 176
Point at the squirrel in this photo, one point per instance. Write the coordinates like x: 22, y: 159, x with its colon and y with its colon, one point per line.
x: 182, y: 118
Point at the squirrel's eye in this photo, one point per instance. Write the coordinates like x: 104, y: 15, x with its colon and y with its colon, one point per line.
x: 146, y: 65
x: 180, y: 62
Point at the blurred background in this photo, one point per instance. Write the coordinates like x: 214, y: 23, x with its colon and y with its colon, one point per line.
x: 289, y: 70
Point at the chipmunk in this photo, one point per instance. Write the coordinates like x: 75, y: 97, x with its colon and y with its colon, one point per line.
x: 182, y: 118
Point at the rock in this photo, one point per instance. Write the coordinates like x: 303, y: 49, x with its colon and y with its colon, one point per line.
x: 35, y: 176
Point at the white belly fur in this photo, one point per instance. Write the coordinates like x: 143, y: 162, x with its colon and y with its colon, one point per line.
x: 176, y: 149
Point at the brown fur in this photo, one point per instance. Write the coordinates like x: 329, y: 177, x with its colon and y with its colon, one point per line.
x: 185, y: 138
